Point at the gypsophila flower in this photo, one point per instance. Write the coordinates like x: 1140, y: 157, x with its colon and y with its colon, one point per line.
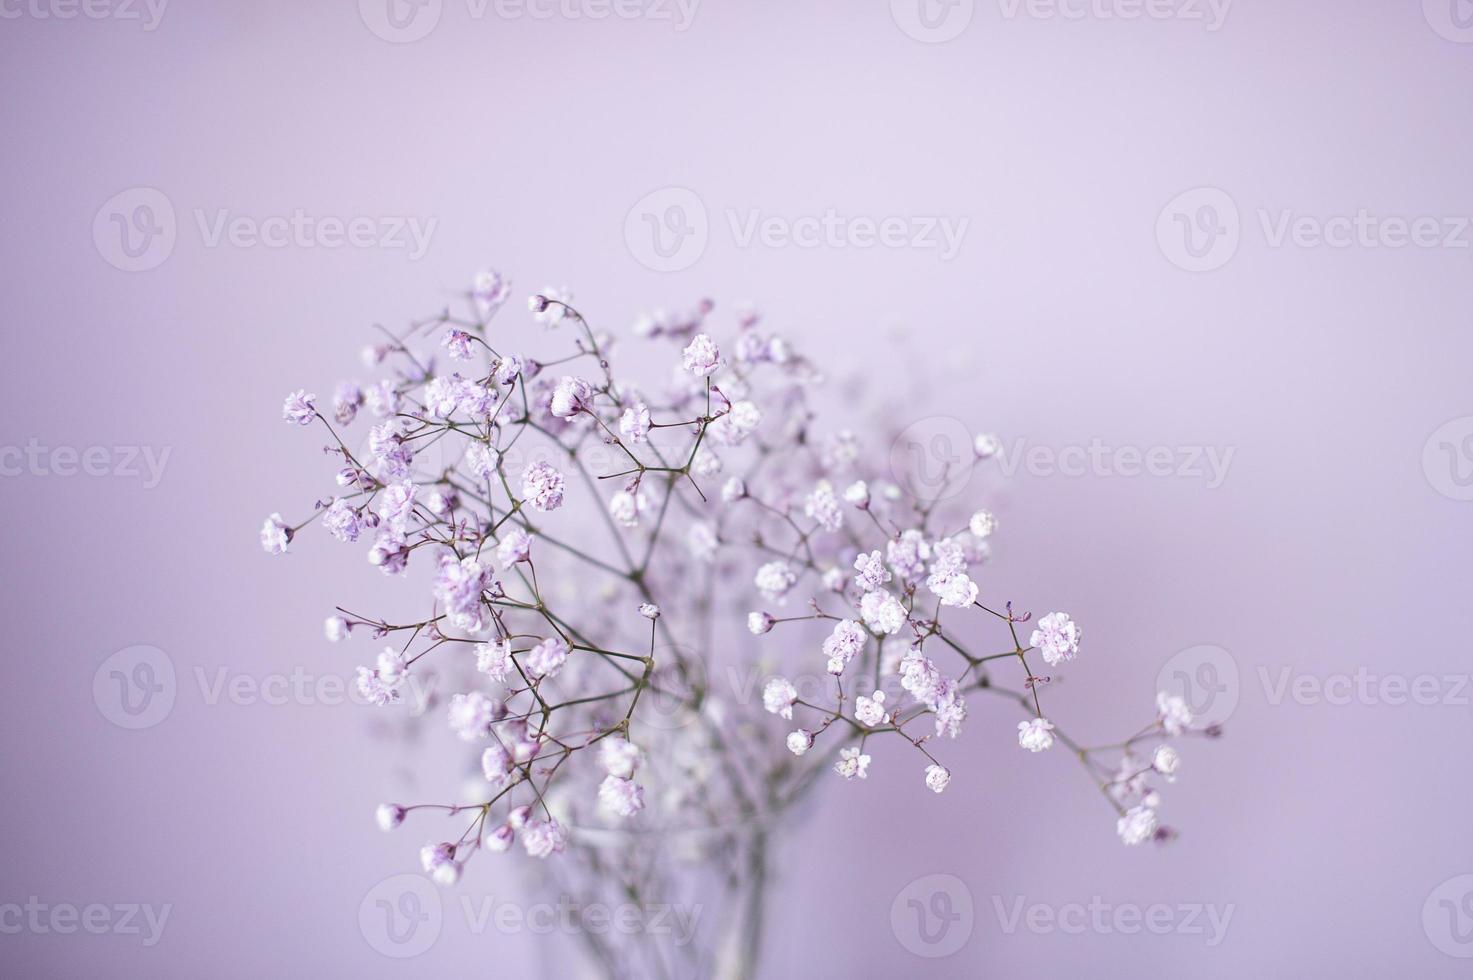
x: 857, y: 494
x: 496, y: 765
x: 299, y: 408
x: 347, y: 398
x: 843, y: 643
x: 515, y: 546
x: 396, y: 506
x: 490, y: 290
x: 950, y: 708
x: 458, y: 343
x: 634, y: 424
x: 499, y: 840
x: 388, y: 816
x: 1174, y: 713
x: 778, y: 697
x: 1166, y: 761
x: 541, y: 838
x: 625, y: 507
x: 547, y: 657
x: 1137, y: 826
x: 471, y: 715
x: 494, y: 659
x: 982, y: 523
x: 705, y: 463
x: 458, y: 587
x: 1057, y: 638
x: 550, y: 306
x: 702, y: 542
x: 822, y: 506
x: 774, y: 579
x: 542, y: 486
x: 571, y: 396
x: 908, y: 554
x: 382, y: 398
x: 649, y: 611
x: 336, y: 628
x: 702, y: 356
x: 953, y: 588
x: 275, y: 535
x: 800, y: 741
x: 833, y: 579
x: 432, y: 856
x: 759, y: 623
x: 852, y: 764
x: 621, y: 797
x: 870, y: 711
x: 508, y: 368
x: 986, y: 445
x: 872, y: 571
x: 937, y: 778
x: 733, y: 428
x: 733, y: 489
x: 882, y: 612
x: 1035, y: 735
x: 619, y: 757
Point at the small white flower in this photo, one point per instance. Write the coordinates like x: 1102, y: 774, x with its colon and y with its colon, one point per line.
x: 649, y: 611
x: 275, y: 535
x: 634, y: 424
x: 619, y: 757
x: 982, y: 523
x: 937, y: 777
x: 759, y: 623
x: 870, y: 711
x: 872, y: 573
x: 621, y: 797
x: 822, y: 506
x: 857, y: 494
x: 882, y: 612
x: 625, y: 507
x: 852, y: 764
x: 702, y: 356
x: 1174, y: 713
x: 335, y: 628
x: 986, y: 445
x: 1137, y: 826
x: 389, y: 816
x: 1166, y: 761
x: 800, y: 741
x: 542, y: 486
x: 774, y: 579
x: 778, y: 697
x: 494, y: 659
x: 547, y: 657
x: 571, y: 396
x: 1035, y: 735
x: 1057, y: 637
x: 514, y: 546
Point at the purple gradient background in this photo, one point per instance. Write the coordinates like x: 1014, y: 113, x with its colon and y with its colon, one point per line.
x: 1326, y: 548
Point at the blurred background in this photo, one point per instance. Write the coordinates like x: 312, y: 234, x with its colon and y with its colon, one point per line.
x: 1203, y: 267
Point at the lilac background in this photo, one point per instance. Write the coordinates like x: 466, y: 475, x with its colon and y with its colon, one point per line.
x: 1326, y: 549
